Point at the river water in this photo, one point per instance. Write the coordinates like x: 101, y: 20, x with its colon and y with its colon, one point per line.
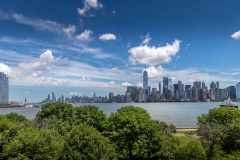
x: 181, y: 114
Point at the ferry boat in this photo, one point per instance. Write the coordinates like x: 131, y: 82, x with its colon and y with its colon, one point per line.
x: 229, y: 103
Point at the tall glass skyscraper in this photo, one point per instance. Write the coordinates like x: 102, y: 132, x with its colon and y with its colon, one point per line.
x: 145, y: 82
x: 4, y: 88
x: 165, y: 85
x: 238, y: 90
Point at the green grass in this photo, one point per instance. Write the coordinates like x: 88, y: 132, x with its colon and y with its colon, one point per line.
x: 185, y: 132
x: 184, y: 140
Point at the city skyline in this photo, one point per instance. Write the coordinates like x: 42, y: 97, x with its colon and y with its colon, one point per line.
x: 102, y: 46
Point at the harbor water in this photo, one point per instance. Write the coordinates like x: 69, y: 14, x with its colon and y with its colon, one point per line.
x: 181, y: 114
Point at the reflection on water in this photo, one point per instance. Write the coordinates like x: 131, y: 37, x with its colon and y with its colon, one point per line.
x: 179, y: 114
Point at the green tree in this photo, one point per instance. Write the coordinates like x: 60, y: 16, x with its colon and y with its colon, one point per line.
x: 193, y: 150
x: 169, y: 148
x: 91, y: 115
x: 16, y: 118
x: 135, y: 134
x: 165, y: 129
x: 5, y: 123
x: 59, y: 109
x: 85, y: 142
x: 34, y: 144
x: 220, y: 127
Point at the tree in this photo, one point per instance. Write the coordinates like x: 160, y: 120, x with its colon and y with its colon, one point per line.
x: 193, y: 150
x: 135, y: 133
x: 16, y: 118
x: 91, y: 115
x: 34, y: 144
x: 5, y: 123
x: 85, y: 142
x: 169, y: 148
x: 220, y: 127
x: 59, y: 109
x: 165, y: 129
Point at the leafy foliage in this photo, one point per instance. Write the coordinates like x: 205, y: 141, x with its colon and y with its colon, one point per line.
x: 85, y: 142
x: 34, y: 144
x: 135, y: 133
x: 220, y: 128
x: 91, y: 115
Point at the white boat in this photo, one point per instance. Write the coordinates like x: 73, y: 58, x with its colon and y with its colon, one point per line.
x: 229, y: 103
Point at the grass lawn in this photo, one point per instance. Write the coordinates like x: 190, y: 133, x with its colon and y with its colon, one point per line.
x: 184, y: 140
x: 184, y: 132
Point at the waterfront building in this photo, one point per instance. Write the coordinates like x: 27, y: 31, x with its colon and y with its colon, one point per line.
x: 154, y: 90
x: 203, y: 84
x: 238, y: 90
x: 4, y: 88
x: 220, y: 94
x: 187, y: 87
x: 217, y: 85
x: 111, y: 97
x: 197, y: 84
x: 128, y: 96
x: 53, y: 97
x: 165, y: 85
x: 160, y: 88
x: 232, y: 92
x: 145, y: 82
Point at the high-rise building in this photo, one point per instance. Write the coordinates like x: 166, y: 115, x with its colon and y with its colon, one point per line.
x: 165, y: 85
x: 232, y: 92
x: 160, y: 88
x: 53, y: 97
x: 145, y: 82
x: 238, y: 90
x: 217, y: 85
x: 111, y: 97
x: 203, y: 84
x: 187, y: 87
x: 213, y: 86
x: 4, y: 88
x: 197, y: 84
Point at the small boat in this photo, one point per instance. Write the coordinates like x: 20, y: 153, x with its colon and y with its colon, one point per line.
x: 229, y: 103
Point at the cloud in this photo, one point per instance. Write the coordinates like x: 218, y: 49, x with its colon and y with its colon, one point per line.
x: 115, y: 69
x: 70, y: 30
x: 114, y: 12
x: 236, y: 35
x: 85, y: 79
x: 39, y: 24
x: 191, y: 80
x: 125, y: 84
x: 177, y: 57
x: 85, y: 36
x: 187, y: 46
x: 40, y: 66
x: 146, y: 39
x: 152, y: 55
x: 74, y: 94
x: 108, y: 36
x: 88, y: 4
x: 110, y: 85
x: 25, y: 92
x: 12, y: 73
x: 154, y: 72
x: 139, y: 85
x: 128, y: 44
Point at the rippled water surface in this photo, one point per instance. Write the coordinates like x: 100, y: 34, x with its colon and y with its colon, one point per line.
x: 180, y: 114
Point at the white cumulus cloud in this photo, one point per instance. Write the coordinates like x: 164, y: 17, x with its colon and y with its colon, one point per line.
x: 85, y: 79
x: 85, y: 36
x: 74, y: 94
x: 107, y: 37
x: 88, y: 4
x: 125, y: 84
x: 40, y: 66
x: 152, y: 55
x: 236, y: 35
x: 155, y: 72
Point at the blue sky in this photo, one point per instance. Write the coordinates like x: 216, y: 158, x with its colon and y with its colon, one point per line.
x: 78, y: 47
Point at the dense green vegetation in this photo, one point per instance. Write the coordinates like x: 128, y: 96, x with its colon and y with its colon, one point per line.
x: 62, y: 132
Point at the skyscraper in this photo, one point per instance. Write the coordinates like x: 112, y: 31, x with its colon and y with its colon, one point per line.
x: 4, y: 88
x: 238, y: 90
x: 160, y: 88
x: 232, y: 93
x: 145, y: 82
x: 197, y: 84
x: 165, y: 85
x: 217, y: 85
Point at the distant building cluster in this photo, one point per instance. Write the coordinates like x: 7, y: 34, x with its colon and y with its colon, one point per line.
x: 53, y: 98
x: 167, y: 91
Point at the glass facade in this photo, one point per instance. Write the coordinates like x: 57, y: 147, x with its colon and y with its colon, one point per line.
x: 4, y: 88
